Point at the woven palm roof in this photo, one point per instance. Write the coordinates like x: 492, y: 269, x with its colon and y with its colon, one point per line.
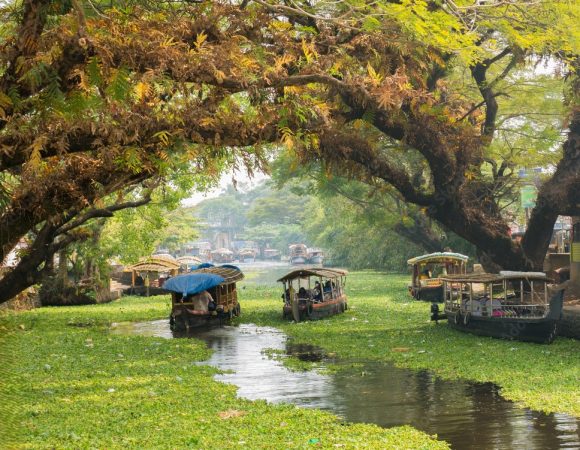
x: 313, y: 272
x: 495, y: 277
x: 154, y: 264
x: 438, y: 257
x: 231, y: 274
x: 188, y: 260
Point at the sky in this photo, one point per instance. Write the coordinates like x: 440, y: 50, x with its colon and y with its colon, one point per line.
x: 242, y: 180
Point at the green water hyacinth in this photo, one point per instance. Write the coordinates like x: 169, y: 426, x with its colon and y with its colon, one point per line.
x: 384, y: 323
x: 69, y: 384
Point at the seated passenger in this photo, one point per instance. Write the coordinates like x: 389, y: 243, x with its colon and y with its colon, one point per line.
x: 425, y: 275
x: 327, y: 286
x: 201, y: 301
x: 302, y: 293
x: 317, y: 292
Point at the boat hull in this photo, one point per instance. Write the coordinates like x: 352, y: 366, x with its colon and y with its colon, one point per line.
x: 541, y: 331
x: 297, y: 260
x: 427, y: 293
x: 181, y: 320
x: 315, y: 311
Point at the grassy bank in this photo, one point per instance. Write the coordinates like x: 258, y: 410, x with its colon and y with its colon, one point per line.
x: 384, y: 324
x: 67, y: 383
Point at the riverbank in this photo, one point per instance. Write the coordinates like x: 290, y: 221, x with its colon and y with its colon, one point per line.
x: 68, y: 383
x: 383, y: 323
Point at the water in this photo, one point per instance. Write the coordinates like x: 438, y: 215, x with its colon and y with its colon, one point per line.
x: 467, y: 415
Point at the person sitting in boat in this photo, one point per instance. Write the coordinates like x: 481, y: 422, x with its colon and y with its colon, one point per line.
x: 302, y: 293
x: 327, y: 286
x: 425, y: 275
x: 201, y: 301
x: 317, y: 292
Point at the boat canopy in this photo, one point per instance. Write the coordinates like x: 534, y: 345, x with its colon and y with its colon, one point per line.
x: 313, y: 272
x: 193, y: 283
x: 438, y: 257
x: 229, y: 273
x: 189, y: 260
x: 154, y: 264
x: 222, y: 251
x: 495, y: 277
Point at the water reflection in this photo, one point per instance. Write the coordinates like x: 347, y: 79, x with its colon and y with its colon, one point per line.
x: 467, y: 415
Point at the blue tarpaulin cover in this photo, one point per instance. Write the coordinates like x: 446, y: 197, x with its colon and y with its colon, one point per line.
x: 192, y: 283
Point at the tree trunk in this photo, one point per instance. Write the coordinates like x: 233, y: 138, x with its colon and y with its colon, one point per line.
x: 574, y: 285
x: 63, y: 267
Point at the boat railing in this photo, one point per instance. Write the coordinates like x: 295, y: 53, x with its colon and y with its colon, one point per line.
x: 496, y: 308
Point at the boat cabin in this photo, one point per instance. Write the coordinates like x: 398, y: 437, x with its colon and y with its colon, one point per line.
x: 298, y: 254
x: 315, y: 256
x: 204, y: 296
x: 510, y: 305
x: 428, y: 269
x: 312, y: 293
x: 247, y: 255
x: 222, y: 255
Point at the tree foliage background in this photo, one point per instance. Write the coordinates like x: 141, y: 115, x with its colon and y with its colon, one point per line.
x: 101, y: 102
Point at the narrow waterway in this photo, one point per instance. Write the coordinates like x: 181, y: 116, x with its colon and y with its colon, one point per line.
x: 467, y: 415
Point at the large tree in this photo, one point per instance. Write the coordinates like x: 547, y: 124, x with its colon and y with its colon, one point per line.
x: 94, y: 100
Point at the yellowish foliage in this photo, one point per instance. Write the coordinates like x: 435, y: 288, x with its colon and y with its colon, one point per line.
x: 199, y: 40
x: 309, y: 51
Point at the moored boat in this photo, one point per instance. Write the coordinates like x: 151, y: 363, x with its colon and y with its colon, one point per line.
x: 298, y: 254
x: 509, y: 305
x: 247, y: 255
x: 222, y: 256
x: 205, y: 296
x: 315, y: 256
x: 313, y: 293
x: 426, y: 283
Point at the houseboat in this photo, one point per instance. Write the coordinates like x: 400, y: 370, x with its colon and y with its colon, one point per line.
x: 222, y: 256
x: 426, y: 283
x: 315, y: 256
x: 313, y: 293
x: 510, y: 305
x: 203, y: 297
x: 298, y: 254
x: 247, y: 255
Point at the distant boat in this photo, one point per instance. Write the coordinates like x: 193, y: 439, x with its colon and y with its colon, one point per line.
x: 247, y: 255
x: 315, y: 256
x: 222, y: 255
x: 298, y: 254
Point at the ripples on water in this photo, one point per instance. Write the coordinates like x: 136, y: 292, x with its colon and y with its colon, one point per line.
x: 467, y: 415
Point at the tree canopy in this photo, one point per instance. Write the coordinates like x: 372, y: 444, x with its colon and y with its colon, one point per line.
x: 100, y: 97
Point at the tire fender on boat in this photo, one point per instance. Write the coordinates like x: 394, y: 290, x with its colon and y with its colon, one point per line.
x: 466, y: 318
x: 457, y: 318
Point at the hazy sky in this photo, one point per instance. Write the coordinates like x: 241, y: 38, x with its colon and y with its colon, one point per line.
x: 242, y: 179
